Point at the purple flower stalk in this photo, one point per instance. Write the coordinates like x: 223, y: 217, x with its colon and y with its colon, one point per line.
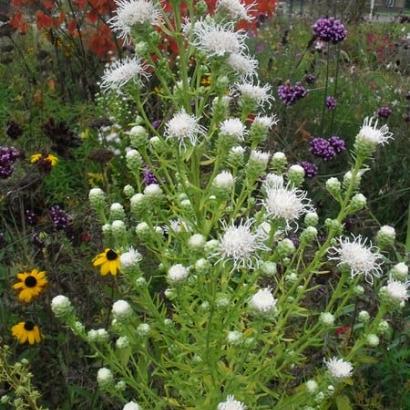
x: 321, y: 148
x: 338, y: 144
x: 149, y: 177
x: 310, y: 78
x: 331, y: 103
x: 329, y: 29
x: 8, y: 156
x: 384, y: 112
x: 290, y: 94
x: 59, y: 218
x: 31, y: 217
x: 156, y: 123
x: 311, y: 169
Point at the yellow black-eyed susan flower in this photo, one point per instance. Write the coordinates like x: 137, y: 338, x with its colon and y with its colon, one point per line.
x: 48, y: 158
x: 30, y: 285
x: 108, y: 261
x: 206, y: 81
x: 26, y: 332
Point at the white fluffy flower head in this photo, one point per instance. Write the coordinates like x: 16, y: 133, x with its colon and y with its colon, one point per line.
x: 121, y: 72
x: 239, y: 244
x: 224, y: 180
x: 131, y: 406
x: 339, y: 368
x: 217, y: 40
x: 265, y: 121
x: 369, y: 132
x: 257, y: 93
x: 398, y: 291
x: 260, y: 157
x: 233, y: 127
x: 231, y: 404
x: 121, y: 309
x: 132, y: 12
x: 286, y: 202
x: 183, y: 128
x: 235, y: 9
x: 130, y: 259
x: 263, y: 301
x: 243, y: 65
x: 362, y: 259
x: 177, y: 273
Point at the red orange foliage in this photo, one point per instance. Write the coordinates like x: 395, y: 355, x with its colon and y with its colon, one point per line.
x: 89, y: 19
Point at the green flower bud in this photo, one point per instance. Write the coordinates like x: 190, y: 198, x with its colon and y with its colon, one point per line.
x: 269, y: 268
x: 400, y: 272
x: 143, y: 329
x: 105, y: 378
x: 334, y: 186
x: 372, y: 340
x: 129, y: 191
x: 296, y: 175
x: 286, y: 247
x: 117, y: 212
x: 279, y: 162
x: 383, y: 327
x: 364, y: 316
x: 358, y: 202
x: 386, y: 236
x: 138, y: 136
x: 311, y: 219
x: 309, y: 234
x: 311, y: 386
x: 327, y: 319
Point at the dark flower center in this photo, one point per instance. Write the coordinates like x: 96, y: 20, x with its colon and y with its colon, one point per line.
x: 30, y: 281
x: 111, y: 255
x: 28, y: 325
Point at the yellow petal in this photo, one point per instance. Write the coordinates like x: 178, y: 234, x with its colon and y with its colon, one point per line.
x: 105, y: 269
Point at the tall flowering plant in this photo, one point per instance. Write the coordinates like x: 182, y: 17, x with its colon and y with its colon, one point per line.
x: 251, y: 287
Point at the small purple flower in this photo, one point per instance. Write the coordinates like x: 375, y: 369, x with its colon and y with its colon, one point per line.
x: 321, y: 148
x: 156, y: 123
x: 31, y: 217
x: 5, y: 171
x: 149, y: 177
x: 8, y: 156
x: 384, y: 112
x: 310, y: 78
x: 329, y: 29
x: 311, y: 169
x: 59, y: 218
x: 338, y: 144
x: 331, y: 103
x: 290, y: 94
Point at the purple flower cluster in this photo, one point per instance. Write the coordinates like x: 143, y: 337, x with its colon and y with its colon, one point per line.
x: 290, y: 94
x: 59, y: 218
x: 327, y: 149
x: 338, y: 144
x: 149, y: 177
x: 331, y: 103
x: 8, y: 156
x: 310, y: 78
x: 329, y: 29
x: 31, y: 217
x: 384, y: 112
x: 310, y: 168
